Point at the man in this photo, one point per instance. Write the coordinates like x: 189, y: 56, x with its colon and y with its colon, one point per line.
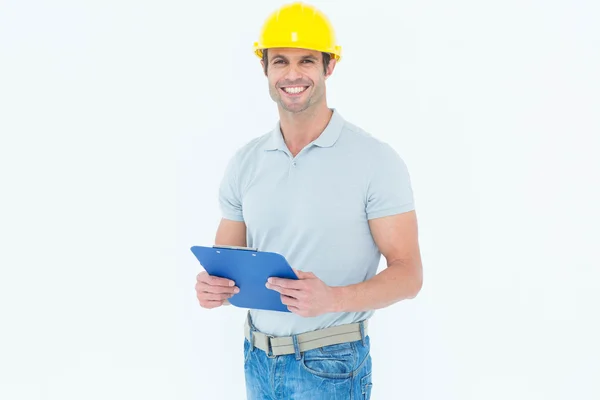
x: 332, y: 199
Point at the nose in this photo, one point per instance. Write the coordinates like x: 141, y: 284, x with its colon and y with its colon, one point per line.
x: 293, y: 73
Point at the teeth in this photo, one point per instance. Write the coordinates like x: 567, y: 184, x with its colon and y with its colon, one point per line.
x: 294, y: 90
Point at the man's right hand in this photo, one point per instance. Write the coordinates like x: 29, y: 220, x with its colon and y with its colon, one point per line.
x: 213, y: 291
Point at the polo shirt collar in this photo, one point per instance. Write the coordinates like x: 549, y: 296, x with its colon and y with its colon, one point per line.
x: 326, y: 139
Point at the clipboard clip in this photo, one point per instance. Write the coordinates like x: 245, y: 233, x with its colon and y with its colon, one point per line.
x: 235, y: 248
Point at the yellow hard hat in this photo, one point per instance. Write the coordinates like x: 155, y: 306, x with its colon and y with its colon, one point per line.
x: 298, y: 25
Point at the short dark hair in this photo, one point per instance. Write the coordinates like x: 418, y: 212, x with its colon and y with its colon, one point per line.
x: 326, y: 59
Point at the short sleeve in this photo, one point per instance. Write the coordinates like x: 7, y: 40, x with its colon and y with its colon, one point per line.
x: 230, y: 201
x: 389, y: 189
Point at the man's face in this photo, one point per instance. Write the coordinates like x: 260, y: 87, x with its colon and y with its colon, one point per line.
x: 296, y: 78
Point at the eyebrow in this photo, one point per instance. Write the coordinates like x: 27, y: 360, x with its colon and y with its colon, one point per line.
x: 307, y: 57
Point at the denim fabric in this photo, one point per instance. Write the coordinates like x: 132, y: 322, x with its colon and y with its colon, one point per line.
x: 336, y: 372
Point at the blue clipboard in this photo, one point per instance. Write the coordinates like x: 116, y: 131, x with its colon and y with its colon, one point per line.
x: 249, y: 269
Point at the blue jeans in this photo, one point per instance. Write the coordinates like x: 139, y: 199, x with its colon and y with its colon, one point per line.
x: 336, y: 372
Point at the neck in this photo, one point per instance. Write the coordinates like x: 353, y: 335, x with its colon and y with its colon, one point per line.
x: 299, y: 129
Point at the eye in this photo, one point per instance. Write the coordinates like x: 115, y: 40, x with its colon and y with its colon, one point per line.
x: 277, y: 61
x: 308, y: 61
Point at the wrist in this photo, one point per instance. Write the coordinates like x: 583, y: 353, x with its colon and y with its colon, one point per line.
x: 339, y: 296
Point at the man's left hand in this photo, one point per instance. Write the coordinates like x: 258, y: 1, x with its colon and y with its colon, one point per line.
x: 308, y: 296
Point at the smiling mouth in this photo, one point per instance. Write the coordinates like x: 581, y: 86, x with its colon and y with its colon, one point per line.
x: 294, y: 90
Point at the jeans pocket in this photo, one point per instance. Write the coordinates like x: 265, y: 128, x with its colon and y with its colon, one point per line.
x: 342, y: 348
x: 366, y: 385
x: 331, y: 362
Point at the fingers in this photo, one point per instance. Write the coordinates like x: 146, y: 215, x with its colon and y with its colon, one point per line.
x: 212, y: 300
x: 211, y: 304
x: 284, y: 291
x: 203, y: 287
x: 213, y: 291
x: 286, y: 283
x: 215, y: 296
x: 290, y: 301
x: 303, y: 274
x: 214, y: 280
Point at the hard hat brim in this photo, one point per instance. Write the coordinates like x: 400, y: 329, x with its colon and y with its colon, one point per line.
x: 336, y: 53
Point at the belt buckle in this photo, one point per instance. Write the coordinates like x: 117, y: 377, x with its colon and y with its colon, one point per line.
x: 269, y: 347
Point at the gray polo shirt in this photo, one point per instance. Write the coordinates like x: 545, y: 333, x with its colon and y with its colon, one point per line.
x: 314, y: 208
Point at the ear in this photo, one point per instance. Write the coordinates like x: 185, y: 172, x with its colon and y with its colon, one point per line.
x: 262, y: 64
x: 330, y: 67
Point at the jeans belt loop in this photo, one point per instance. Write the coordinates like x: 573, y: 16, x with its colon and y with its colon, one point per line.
x: 270, y: 347
x: 251, y: 339
x: 296, y: 346
x: 251, y: 331
x: 362, y: 332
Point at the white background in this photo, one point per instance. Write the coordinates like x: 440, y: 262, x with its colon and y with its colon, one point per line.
x: 117, y: 119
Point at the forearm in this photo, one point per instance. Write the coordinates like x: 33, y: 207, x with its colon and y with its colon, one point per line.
x: 399, y: 281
